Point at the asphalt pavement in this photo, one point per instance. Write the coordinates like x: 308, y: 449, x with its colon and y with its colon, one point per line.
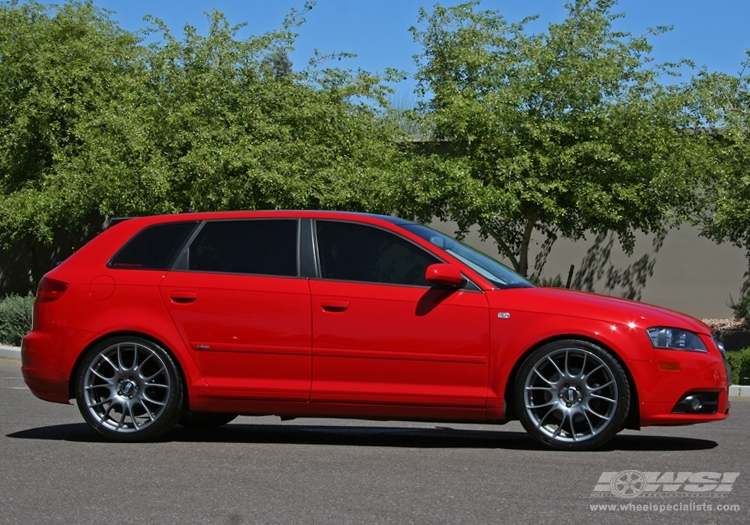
x: 307, y: 471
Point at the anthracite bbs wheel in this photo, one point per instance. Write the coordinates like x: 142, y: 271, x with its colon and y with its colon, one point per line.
x: 572, y: 395
x: 129, y: 389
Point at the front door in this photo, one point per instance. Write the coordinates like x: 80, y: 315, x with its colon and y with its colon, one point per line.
x: 381, y: 334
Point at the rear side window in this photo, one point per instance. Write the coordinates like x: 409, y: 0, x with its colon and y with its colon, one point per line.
x: 153, y: 248
x: 354, y: 252
x: 259, y: 246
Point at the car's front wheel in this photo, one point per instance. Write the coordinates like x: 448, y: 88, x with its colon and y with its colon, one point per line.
x: 572, y: 395
x: 129, y: 389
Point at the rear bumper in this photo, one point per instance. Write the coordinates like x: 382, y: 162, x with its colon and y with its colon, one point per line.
x: 46, y: 367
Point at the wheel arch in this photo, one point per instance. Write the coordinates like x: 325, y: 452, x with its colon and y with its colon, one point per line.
x: 633, y: 419
x: 124, y: 333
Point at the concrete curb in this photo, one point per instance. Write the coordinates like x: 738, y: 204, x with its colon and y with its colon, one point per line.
x: 14, y: 352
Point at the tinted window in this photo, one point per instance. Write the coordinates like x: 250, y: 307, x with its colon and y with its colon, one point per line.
x: 495, y: 272
x: 153, y: 248
x: 354, y: 252
x: 267, y: 247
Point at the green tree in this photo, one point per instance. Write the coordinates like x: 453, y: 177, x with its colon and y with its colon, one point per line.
x: 721, y: 103
x: 70, y: 137
x: 553, y: 134
x: 95, y: 123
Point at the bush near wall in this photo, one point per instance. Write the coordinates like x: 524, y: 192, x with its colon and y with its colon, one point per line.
x: 15, y: 318
x: 740, y: 363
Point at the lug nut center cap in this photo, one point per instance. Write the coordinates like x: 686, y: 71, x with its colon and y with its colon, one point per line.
x: 570, y: 395
x: 128, y: 388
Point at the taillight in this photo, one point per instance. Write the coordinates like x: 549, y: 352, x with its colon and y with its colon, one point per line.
x: 50, y: 290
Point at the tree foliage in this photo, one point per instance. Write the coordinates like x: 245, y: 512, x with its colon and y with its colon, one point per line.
x: 722, y: 103
x: 551, y: 134
x: 96, y: 122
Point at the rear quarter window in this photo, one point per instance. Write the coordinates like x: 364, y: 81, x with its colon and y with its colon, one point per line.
x: 153, y: 248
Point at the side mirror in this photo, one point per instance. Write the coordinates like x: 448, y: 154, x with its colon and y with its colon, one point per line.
x: 444, y: 275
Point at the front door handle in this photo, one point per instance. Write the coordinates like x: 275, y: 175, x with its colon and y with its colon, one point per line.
x: 183, y: 297
x: 334, y: 306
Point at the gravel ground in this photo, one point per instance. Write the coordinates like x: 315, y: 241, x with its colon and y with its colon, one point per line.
x: 727, y: 324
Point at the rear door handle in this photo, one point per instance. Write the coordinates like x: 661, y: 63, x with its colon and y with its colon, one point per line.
x: 183, y: 297
x: 334, y: 306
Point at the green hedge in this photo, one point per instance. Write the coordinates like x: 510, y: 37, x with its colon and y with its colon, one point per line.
x: 740, y: 363
x: 15, y: 319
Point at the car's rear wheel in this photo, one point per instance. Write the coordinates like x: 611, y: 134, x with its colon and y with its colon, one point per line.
x: 129, y: 389
x: 205, y: 420
x: 572, y: 395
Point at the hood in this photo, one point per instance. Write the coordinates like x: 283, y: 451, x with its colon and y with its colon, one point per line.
x: 557, y: 301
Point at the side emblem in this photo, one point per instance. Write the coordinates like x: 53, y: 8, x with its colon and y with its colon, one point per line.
x: 503, y: 315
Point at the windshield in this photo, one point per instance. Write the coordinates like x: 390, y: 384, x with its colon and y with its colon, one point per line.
x: 495, y: 272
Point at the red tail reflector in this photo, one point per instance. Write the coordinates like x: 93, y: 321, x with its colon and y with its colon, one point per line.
x: 50, y: 290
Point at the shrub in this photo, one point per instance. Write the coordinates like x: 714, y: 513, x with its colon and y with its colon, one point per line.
x: 740, y: 363
x: 741, y: 308
x: 15, y: 318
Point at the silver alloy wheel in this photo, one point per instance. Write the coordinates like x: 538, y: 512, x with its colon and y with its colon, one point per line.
x: 571, y: 395
x: 126, y: 387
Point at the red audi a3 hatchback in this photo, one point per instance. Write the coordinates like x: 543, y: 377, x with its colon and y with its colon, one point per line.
x: 196, y: 318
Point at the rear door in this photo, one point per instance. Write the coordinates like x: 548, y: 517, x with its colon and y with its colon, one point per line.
x: 240, y: 305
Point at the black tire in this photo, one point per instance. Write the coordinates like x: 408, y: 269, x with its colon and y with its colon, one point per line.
x: 205, y: 420
x: 571, y: 395
x: 129, y: 389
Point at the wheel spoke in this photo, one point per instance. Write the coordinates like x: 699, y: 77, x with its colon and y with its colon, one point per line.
x: 100, y: 403
x: 140, y: 367
x: 583, y: 367
x: 119, y: 358
x: 556, y: 367
x: 547, y: 404
x: 146, y: 397
x: 605, y: 385
x: 109, y: 380
x: 543, y: 378
x: 572, y: 427
x: 600, y: 416
x: 122, y: 418
x: 150, y: 415
x: 607, y: 399
x: 594, y: 370
x: 541, y: 421
x: 149, y: 378
x: 114, y: 366
x: 591, y: 427
x: 132, y: 417
x: 542, y: 388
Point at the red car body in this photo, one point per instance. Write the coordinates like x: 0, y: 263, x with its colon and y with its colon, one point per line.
x: 306, y: 345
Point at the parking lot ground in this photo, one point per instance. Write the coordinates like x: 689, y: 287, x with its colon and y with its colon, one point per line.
x: 307, y: 471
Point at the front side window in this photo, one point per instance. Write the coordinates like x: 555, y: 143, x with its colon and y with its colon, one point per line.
x: 495, y: 272
x: 266, y: 247
x: 356, y: 252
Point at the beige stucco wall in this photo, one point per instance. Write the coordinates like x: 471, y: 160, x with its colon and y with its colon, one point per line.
x: 687, y: 272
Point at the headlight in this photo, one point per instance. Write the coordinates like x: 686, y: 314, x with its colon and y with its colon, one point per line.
x: 675, y: 339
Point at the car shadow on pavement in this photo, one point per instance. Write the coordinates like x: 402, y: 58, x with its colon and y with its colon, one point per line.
x: 363, y: 436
